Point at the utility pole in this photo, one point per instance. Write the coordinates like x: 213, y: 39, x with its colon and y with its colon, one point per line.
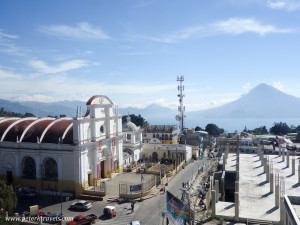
x: 181, y: 108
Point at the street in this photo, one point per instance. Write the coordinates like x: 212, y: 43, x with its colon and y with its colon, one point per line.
x: 149, y: 212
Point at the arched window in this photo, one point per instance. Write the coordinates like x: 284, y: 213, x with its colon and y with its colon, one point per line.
x: 165, y: 155
x: 166, y: 137
x: 163, y: 136
x: 50, y: 169
x: 171, y: 136
x: 28, y: 168
x: 157, y: 136
x: 153, y: 135
x: 154, y: 155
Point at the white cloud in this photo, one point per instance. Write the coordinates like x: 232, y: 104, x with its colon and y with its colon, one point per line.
x: 247, y: 88
x: 231, y: 26
x: 7, y: 36
x: 180, y: 35
x: 44, y: 68
x: 81, y: 31
x: 239, y: 26
x: 284, y: 4
x: 278, y: 85
x: 36, y: 97
x: 9, y: 75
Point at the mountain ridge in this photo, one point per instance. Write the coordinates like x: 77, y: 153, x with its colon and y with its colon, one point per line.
x: 263, y: 101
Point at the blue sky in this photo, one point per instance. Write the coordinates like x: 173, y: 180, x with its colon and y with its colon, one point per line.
x: 132, y: 51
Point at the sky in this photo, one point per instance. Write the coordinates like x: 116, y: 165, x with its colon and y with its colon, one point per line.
x: 132, y: 51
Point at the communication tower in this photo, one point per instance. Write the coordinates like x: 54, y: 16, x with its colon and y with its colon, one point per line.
x: 181, y: 108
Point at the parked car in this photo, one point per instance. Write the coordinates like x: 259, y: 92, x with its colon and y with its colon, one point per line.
x: 135, y: 223
x: 81, y: 219
x: 53, y: 218
x: 109, y: 211
x: 25, y: 192
x: 81, y: 205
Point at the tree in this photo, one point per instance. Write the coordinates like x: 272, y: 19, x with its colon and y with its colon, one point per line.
x: 137, y: 120
x: 280, y: 129
x: 29, y: 115
x: 213, y: 129
x: 245, y: 130
x: 8, y: 199
x: 197, y: 128
x: 260, y: 130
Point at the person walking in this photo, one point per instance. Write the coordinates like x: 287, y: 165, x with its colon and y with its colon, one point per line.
x: 132, y: 206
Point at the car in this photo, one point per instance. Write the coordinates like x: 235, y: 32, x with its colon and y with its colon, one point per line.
x: 135, y: 223
x: 81, y: 205
x: 25, y: 192
x: 109, y: 211
x: 81, y: 219
x: 53, y: 218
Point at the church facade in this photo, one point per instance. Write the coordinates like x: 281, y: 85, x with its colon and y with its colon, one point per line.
x: 68, y: 154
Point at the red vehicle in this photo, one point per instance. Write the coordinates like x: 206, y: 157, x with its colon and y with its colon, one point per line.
x: 81, y: 219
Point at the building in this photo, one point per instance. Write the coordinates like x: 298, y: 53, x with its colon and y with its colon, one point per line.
x: 156, y: 151
x: 197, y: 139
x: 63, y: 154
x: 132, y: 141
x: 167, y: 134
x: 257, y: 188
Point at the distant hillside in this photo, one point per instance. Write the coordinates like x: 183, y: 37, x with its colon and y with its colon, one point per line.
x: 41, y: 109
x: 263, y: 101
x: 154, y: 113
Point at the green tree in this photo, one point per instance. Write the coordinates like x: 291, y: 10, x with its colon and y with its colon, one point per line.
x: 260, y: 130
x: 5, y: 113
x: 8, y: 202
x: 137, y: 120
x: 197, y: 128
x: 213, y: 129
x: 280, y: 129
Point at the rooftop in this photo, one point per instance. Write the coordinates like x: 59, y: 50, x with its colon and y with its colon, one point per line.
x: 256, y: 200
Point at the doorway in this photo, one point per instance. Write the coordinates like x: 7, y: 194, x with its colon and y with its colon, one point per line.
x: 102, y: 169
x: 90, y: 179
x: 9, y: 177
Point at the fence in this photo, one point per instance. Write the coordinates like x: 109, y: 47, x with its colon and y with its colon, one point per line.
x: 134, y: 190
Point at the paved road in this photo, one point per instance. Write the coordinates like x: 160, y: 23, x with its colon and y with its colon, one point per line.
x: 148, y: 211
x: 151, y: 210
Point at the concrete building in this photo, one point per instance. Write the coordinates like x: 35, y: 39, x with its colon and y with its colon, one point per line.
x: 198, y: 139
x: 155, y: 151
x: 167, y: 134
x: 258, y: 188
x: 63, y: 154
x: 132, y: 140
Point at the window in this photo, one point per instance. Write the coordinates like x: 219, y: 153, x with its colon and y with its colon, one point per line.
x: 50, y: 170
x: 28, y: 167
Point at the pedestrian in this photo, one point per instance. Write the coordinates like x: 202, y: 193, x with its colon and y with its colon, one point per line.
x: 132, y: 206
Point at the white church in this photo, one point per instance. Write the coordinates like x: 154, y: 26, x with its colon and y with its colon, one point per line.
x: 63, y: 154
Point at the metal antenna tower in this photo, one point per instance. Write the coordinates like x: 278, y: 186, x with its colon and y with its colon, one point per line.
x: 181, y: 108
